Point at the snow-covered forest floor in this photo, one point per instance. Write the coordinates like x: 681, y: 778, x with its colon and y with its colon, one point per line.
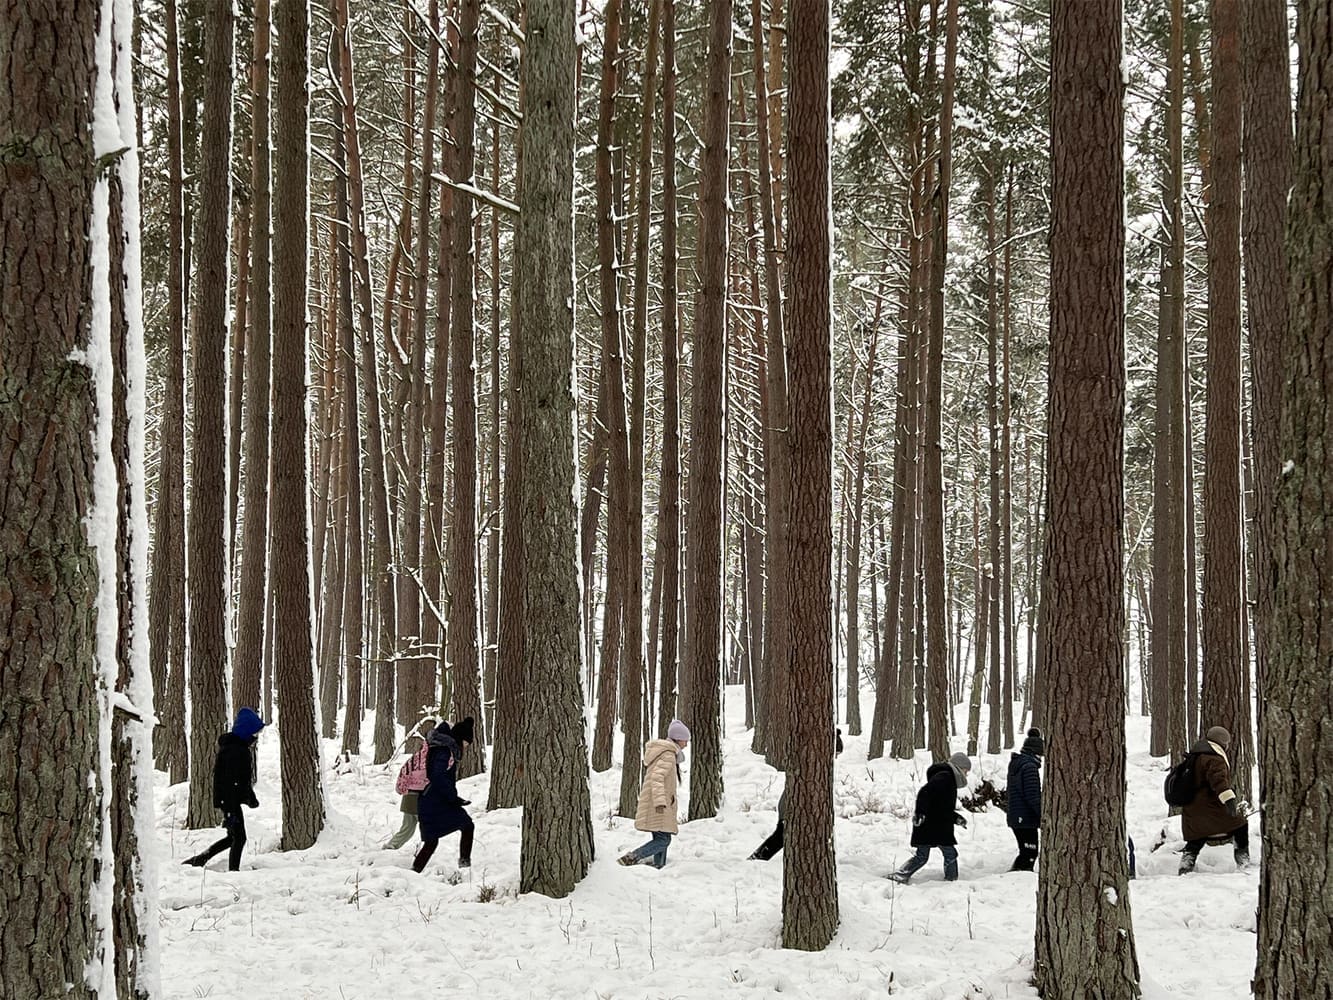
x: 347, y: 920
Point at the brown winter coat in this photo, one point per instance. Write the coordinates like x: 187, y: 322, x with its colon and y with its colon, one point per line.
x: 657, y: 798
x: 1206, y: 815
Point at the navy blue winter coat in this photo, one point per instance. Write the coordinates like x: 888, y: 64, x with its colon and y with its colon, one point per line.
x: 1024, y: 792
x: 440, y: 810
x: 932, y: 824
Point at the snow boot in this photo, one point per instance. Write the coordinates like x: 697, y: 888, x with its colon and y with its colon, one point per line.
x: 197, y: 861
x: 902, y: 878
x: 628, y: 859
x: 1242, y: 860
x: 1187, y: 863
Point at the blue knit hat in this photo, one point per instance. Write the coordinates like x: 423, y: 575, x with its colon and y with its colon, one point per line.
x: 248, y: 723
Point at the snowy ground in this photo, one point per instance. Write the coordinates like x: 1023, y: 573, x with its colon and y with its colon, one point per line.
x: 349, y: 921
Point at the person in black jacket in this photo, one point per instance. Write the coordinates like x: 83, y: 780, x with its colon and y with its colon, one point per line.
x: 233, y: 787
x: 1023, y: 795
x: 935, y: 818
x: 440, y: 810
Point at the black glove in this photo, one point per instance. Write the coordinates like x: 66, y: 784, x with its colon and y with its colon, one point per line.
x: 462, y: 802
x: 1233, y: 808
x: 254, y: 802
x: 959, y: 820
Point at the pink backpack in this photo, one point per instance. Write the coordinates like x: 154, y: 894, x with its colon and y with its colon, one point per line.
x: 412, y: 775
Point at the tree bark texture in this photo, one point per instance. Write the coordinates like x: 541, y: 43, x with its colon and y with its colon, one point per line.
x: 1085, y: 937
x: 810, y: 882
x: 208, y: 581
x: 464, y: 623
x: 704, y: 518
x: 669, y: 484
x: 48, y: 569
x: 1225, y: 698
x: 557, y: 844
x: 1295, y: 908
x: 167, y: 622
x: 932, y: 534
x: 632, y: 658
x: 1169, y: 577
x: 777, y: 460
x: 248, y: 663
x: 293, y: 642
x: 1267, y: 156
x: 615, y: 420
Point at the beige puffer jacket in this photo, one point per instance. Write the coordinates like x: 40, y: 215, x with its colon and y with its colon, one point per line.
x: 657, y: 797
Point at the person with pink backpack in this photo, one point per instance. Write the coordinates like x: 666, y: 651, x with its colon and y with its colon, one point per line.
x: 412, y: 780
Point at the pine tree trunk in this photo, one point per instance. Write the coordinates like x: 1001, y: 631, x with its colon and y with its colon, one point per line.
x: 669, y: 484
x: 932, y: 535
x: 994, y: 578
x: 354, y: 596
x: 255, y: 535
x: 613, y: 399
x: 557, y: 844
x: 1085, y: 938
x: 1298, y: 687
x: 208, y: 527
x: 1225, y: 698
x: 384, y: 650
x: 48, y: 568
x: 704, y: 527
x: 1170, y: 580
x: 632, y: 658
x: 777, y: 462
x: 810, y: 882
x: 167, y: 615
x: 293, y: 651
x: 858, y: 527
x: 464, y: 659
x: 1267, y: 155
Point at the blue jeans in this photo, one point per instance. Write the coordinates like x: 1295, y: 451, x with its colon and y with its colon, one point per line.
x: 655, y: 850
x: 918, y: 860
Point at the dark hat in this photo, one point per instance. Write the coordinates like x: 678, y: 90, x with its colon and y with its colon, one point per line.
x: 462, y: 731
x: 1034, y: 744
x: 1220, y: 736
x: 248, y: 723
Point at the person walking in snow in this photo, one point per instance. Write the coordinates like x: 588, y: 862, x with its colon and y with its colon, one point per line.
x: 411, y: 782
x: 656, y: 813
x: 439, y: 809
x: 770, y: 847
x: 233, y: 787
x: 1023, y: 799
x: 935, y: 818
x: 1214, y: 813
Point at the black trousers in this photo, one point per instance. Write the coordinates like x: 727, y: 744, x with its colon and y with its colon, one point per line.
x: 770, y: 847
x: 234, y: 822
x: 1027, y: 850
x: 1240, y: 839
x: 428, y: 848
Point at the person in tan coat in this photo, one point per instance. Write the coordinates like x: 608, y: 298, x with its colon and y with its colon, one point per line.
x: 656, y: 813
x: 1215, y: 813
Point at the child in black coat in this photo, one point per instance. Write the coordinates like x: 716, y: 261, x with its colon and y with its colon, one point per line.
x: 935, y: 818
x: 233, y: 787
x: 770, y: 847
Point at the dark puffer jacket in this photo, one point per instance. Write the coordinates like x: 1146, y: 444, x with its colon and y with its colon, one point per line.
x: 234, y: 774
x: 1206, y: 815
x: 440, y: 810
x: 1024, y: 792
x: 932, y: 824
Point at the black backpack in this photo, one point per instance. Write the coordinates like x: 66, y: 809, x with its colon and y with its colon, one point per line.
x: 1180, y: 784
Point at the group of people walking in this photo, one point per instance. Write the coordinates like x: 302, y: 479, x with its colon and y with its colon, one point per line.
x: 427, y: 784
